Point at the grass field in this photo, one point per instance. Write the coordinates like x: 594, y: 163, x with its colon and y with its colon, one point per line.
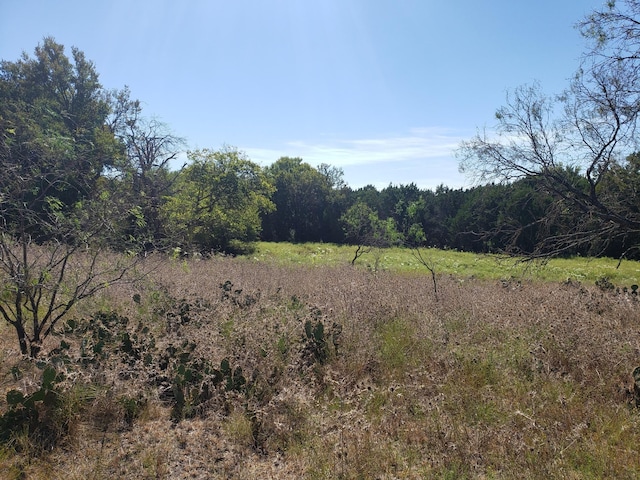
x: 292, y: 364
x: 460, y: 264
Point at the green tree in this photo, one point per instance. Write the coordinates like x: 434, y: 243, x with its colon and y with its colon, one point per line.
x: 395, y: 201
x: 364, y: 228
x: 218, y: 201
x: 476, y: 221
x: 308, y: 202
x: 53, y: 124
x: 55, y: 223
x: 336, y: 203
x: 622, y: 186
x: 370, y: 196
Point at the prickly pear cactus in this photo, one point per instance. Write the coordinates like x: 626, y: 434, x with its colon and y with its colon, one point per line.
x: 636, y: 385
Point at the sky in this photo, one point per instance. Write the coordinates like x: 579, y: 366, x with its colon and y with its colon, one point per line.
x: 384, y: 89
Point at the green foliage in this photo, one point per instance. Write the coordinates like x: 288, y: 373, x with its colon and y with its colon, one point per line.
x: 133, y: 407
x: 194, y: 381
x: 396, y: 344
x: 636, y: 386
x: 316, y: 340
x: 218, y: 200
x: 183, y: 379
x: 188, y: 388
x: 413, y: 378
x: 104, y: 335
x: 55, y: 146
x: 308, y: 202
x: 142, y: 176
x: 605, y: 284
x: 460, y: 264
x: 570, y: 147
x: 235, y: 296
x: 187, y: 381
x: 363, y: 226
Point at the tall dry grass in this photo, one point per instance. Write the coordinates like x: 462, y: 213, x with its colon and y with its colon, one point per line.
x: 489, y: 380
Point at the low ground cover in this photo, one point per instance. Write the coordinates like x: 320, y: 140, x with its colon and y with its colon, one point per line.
x: 237, y: 368
x: 461, y: 264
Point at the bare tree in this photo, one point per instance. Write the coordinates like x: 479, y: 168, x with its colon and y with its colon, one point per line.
x: 427, y: 260
x: 149, y: 150
x: 52, y: 257
x: 574, y: 143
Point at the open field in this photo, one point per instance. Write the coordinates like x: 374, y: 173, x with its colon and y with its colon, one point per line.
x: 237, y: 368
x: 460, y: 264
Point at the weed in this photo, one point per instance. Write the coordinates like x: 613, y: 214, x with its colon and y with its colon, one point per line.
x: 321, y: 342
x: 193, y: 381
x: 235, y: 296
x: 240, y: 428
x: 396, y: 342
x: 132, y: 407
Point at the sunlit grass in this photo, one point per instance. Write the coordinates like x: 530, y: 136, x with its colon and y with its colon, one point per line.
x: 459, y: 264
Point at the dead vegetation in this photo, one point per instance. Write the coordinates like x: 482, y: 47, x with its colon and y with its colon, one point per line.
x: 227, y: 368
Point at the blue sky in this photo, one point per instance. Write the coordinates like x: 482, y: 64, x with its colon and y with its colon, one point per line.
x: 384, y: 89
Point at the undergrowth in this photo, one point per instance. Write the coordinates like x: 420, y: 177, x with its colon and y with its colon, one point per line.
x: 231, y: 368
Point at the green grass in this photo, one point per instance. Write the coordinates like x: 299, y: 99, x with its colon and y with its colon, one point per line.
x: 459, y: 264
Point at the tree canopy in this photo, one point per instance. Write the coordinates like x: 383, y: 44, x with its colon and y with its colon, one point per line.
x: 305, y: 201
x: 54, y: 146
x: 218, y: 201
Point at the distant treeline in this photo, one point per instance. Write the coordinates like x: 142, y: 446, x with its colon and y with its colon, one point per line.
x: 314, y: 205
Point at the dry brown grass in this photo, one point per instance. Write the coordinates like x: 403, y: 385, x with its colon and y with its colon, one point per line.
x: 493, y: 380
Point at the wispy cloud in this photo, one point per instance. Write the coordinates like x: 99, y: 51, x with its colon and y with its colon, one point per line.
x: 417, y: 144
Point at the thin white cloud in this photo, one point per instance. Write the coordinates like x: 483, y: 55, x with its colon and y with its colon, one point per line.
x: 417, y: 144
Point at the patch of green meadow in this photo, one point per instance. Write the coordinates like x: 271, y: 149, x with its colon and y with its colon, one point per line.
x: 451, y: 262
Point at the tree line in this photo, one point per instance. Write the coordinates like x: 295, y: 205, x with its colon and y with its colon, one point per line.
x: 83, y: 161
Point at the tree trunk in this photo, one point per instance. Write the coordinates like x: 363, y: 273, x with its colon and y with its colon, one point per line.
x: 35, y: 349
x: 22, y: 338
